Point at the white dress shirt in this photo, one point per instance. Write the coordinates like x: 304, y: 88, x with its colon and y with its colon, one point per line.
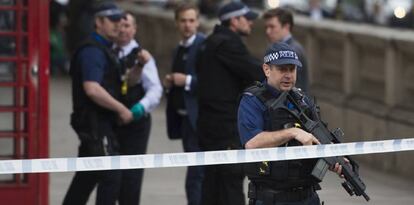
x: 316, y: 14
x: 187, y: 43
x: 149, y: 78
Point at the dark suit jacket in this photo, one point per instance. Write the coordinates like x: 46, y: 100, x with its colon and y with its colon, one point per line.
x: 225, y: 69
x: 190, y: 100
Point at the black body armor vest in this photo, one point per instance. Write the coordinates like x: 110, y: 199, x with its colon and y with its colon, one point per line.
x: 111, y: 80
x: 93, y: 123
x: 279, y: 174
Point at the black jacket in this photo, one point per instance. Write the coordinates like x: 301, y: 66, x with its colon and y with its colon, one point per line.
x: 224, y: 69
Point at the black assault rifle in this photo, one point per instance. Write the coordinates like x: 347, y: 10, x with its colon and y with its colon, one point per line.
x: 353, y: 183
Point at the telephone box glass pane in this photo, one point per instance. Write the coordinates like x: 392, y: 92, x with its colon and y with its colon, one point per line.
x: 7, y: 46
x: 7, y: 20
x: 7, y: 71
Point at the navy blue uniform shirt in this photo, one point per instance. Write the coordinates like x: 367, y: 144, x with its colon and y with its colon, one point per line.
x: 251, y: 115
x: 90, y: 64
x: 93, y: 61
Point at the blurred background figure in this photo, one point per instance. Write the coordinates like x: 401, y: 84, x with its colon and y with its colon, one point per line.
x: 59, y: 62
x: 349, y: 10
x: 316, y: 11
x: 209, y: 8
x: 376, y: 14
x: 181, y: 83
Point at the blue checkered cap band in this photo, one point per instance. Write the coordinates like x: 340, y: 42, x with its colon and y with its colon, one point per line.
x: 110, y: 12
x: 282, y: 57
x: 236, y: 13
x: 236, y: 9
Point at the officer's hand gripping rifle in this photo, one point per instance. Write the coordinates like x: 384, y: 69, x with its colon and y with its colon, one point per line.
x: 291, y: 102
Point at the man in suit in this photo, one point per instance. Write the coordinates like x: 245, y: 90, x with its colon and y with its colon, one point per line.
x: 180, y: 84
x: 278, y: 27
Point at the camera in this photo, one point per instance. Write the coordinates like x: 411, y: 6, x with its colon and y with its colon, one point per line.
x: 131, y: 60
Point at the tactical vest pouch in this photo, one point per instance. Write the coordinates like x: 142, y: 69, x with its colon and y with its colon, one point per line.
x: 97, y: 137
x: 268, y: 196
x: 275, y: 170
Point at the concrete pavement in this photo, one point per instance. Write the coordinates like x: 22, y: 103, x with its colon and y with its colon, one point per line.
x: 166, y: 186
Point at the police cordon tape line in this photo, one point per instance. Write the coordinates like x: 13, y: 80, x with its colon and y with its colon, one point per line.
x: 202, y: 158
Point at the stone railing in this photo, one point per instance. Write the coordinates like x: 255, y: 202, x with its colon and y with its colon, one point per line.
x: 361, y: 75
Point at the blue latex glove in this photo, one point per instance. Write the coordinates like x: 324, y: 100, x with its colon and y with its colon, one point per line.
x: 137, y: 111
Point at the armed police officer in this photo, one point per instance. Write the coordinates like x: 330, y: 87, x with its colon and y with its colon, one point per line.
x: 96, y: 89
x: 282, y: 182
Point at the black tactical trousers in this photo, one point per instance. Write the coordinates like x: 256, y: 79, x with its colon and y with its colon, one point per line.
x: 97, y: 140
x: 223, y: 185
x: 84, y: 182
x: 313, y: 199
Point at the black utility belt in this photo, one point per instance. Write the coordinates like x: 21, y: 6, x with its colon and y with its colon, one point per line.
x: 282, y: 195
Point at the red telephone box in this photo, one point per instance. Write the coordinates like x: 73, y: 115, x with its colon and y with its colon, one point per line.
x: 24, y: 71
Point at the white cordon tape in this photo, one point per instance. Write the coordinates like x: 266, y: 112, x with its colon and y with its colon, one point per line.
x: 202, y: 158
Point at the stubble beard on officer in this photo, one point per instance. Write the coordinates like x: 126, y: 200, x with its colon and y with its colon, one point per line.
x: 127, y: 30
x: 241, y: 25
x: 281, y: 77
x: 187, y: 23
x: 107, y: 28
x: 275, y: 31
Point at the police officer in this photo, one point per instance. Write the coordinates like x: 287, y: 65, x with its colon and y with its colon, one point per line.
x: 141, y: 91
x: 224, y: 59
x: 278, y: 27
x: 96, y: 87
x: 283, y: 182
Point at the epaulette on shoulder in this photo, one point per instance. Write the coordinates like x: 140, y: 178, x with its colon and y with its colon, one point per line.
x: 108, y: 52
x: 259, y: 90
x: 257, y: 87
